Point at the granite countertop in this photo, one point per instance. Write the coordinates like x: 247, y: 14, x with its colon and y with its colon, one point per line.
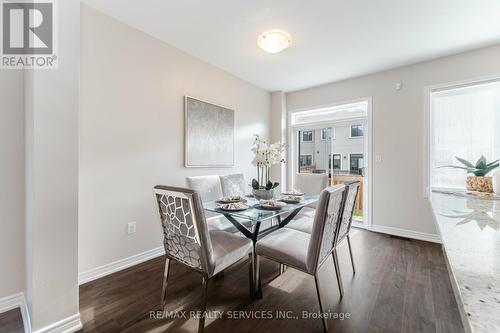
x: 470, y: 232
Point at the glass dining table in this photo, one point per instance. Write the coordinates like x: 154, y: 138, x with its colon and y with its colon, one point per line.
x: 254, y: 216
x: 248, y: 221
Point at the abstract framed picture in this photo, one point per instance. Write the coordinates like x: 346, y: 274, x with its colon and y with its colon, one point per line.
x: 209, y: 134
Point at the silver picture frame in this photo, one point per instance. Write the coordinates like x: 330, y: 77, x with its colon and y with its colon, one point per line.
x: 208, y: 134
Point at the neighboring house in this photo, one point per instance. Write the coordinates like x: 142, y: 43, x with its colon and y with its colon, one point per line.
x: 316, y: 149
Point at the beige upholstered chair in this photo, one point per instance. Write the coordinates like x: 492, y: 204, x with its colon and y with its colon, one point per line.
x: 233, y: 184
x: 305, y: 224
x: 311, y: 184
x: 303, y: 251
x: 188, y: 240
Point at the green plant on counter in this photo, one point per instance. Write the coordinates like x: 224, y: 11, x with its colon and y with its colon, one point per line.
x: 480, y: 169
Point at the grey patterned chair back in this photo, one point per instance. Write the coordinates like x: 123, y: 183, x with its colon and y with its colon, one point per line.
x: 208, y: 187
x: 325, y: 226
x: 352, y: 190
x: 233, y: 184
x: 185, y: 231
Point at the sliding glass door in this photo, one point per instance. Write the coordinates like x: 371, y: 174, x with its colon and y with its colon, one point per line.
x: 336, y: 146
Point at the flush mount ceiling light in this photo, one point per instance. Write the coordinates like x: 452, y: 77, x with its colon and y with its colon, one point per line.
x: 274, y: 41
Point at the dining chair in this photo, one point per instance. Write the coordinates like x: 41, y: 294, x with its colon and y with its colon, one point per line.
x: 310, y: 184
x: 209, y: 189
x: 303, y: 251
x: 233, y: 184
x: 344, y: 228
x: 188, y: 241
x: 305, y: 224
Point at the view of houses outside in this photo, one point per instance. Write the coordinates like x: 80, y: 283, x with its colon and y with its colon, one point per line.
x: 337, y: 151
x: 316, y: 154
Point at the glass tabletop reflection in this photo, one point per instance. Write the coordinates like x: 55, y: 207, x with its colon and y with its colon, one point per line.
x: 256, y: 214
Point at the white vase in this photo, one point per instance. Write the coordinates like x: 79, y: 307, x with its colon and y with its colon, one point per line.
x: 496, y: 182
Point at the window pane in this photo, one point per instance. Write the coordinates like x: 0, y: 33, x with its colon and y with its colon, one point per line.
x: 326, y: 133
x: 356, y: 163
x: 356, y: 130
x: 465, y: 123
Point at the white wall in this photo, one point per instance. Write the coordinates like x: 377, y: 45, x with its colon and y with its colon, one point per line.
x: 398, y: 132
x: 132, y: 132
x: 12, y: 262
x: 278, y: 133
x: 51, y: 106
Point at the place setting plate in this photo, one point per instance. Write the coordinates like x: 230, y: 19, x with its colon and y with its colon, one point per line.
x: 228, y: 200
x: 263, y: 206
x: 294, y: 193
x: 290, y: 200
x: 233, y: 207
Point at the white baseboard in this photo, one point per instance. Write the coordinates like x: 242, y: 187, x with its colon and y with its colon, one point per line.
x: 118, y: 265
x: 67, y: 325
x: 17, y: 301
x: 405, y: 233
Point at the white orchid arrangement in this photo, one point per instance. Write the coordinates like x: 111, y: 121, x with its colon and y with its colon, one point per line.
x: 266, y: 156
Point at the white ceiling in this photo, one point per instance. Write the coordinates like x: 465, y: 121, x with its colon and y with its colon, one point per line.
x: 332, y: 39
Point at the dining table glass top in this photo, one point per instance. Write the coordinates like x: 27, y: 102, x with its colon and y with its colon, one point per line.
x: 257, y: 214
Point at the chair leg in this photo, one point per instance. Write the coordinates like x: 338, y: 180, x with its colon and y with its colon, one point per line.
x: 350, y: 252
x: 251, y: 273
x: 337, y: 272
x: 165, y: 282
x: 323, y: 318
x: 282, y: 269
x: 201, y: 323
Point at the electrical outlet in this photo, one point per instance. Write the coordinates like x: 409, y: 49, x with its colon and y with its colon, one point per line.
x: 378, y: 158
x: 131, y: 227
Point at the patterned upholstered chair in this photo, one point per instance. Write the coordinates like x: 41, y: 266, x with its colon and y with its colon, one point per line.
x: 209, y: 189
x: 305, y: 224
x: 303, y: 251
x: 345, y: 227
x: 233, y: 184
x: 188, y: 241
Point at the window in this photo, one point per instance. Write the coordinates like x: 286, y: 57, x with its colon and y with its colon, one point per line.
x: 356, y: 163
x: 326, y: 133
x: 305, y: 160
x: 337, y: 164
x: 356, y: 131
x: 307, y: 136
x: 464, y: 122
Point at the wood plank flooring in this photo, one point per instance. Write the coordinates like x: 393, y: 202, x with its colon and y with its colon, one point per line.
x: 11, y: 321
x: 400, y: 286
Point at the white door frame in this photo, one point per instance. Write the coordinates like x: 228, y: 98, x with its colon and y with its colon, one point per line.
x: 292, y: 133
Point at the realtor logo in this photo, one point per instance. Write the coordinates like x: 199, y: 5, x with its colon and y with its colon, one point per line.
x: 28, y: 34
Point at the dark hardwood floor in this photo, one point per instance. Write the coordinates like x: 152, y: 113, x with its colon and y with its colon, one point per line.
x: 400, y: 286
x: 11, y: 321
